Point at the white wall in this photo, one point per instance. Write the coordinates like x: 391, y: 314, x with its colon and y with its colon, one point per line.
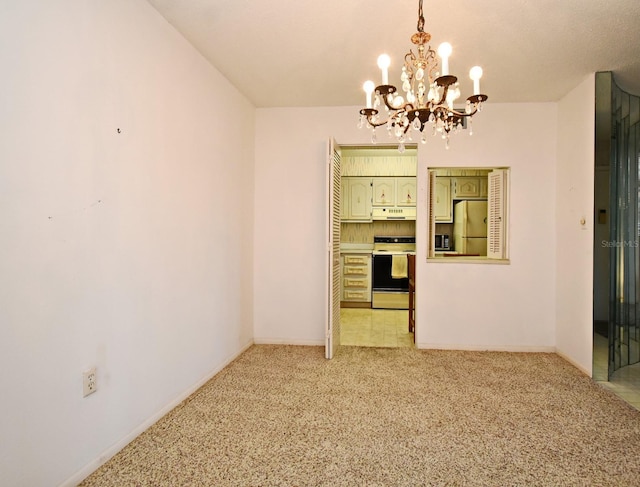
x: 128, y: 251
x: 290, y: 212
x: 492, y: 306
x: 462, y: 306
x: 575, y: 196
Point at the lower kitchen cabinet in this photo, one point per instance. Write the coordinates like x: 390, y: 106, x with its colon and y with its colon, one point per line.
x: 356, y: 278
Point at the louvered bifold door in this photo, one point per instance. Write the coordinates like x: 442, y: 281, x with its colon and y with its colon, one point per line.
x: 333, y: 250
x: 496, y: 222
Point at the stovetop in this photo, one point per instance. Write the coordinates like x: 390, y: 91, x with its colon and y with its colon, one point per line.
x: 394, y: 245
x: 395, y: 240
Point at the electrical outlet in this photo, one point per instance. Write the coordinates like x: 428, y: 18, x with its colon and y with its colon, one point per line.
x: 89, y: 383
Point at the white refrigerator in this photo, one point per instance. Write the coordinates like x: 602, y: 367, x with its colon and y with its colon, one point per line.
x: 470, y: 227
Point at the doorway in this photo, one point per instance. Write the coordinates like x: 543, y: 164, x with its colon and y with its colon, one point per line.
x: 378, y: 199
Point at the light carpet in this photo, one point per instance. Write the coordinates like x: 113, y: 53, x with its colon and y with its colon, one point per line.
x: 285, y: 416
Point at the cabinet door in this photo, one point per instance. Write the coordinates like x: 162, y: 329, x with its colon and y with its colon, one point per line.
x: 344, y: 197
x: 384, y: 190
x: 484, y: 187
x: 466, y: 188
x: 443, y: 210
x: 406, y: 191
x: 359, y: 202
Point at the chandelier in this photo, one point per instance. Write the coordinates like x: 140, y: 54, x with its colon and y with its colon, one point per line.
x: 428, y: 98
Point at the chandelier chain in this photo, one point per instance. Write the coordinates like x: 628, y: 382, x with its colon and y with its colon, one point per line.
x: 420, y: 17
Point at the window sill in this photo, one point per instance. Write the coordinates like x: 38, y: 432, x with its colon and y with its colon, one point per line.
x: 464, y: 259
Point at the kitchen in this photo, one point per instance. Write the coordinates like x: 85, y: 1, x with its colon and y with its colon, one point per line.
x: 378, y: 230
x: 460, y: 212
x: 377, y: 233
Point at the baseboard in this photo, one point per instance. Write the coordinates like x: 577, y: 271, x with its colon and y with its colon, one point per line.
x: 105, y: 456
x: 588, y: 373
x: 284, y: 341
x: 486, y: 348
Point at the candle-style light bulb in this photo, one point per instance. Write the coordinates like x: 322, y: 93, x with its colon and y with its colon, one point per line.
x: 444, y: 51
x: 384, y: 61
x: 368, y: 88
x: 475, y: 74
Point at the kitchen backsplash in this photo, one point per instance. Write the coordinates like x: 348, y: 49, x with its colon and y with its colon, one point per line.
x: 379, y: 162
x: 364, y: 232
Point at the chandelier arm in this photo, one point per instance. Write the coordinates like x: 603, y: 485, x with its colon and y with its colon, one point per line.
x: 406, y: 107
x: 444, y: 95
x: 409, y: 58
x: 387, y: 104
x: 376, y: 124
x: 462, y: 114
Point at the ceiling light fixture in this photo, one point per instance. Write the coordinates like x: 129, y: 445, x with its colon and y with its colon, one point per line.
x: 429, y: 95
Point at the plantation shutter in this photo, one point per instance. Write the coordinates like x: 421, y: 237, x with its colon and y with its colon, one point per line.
x: 431, y: 252
x: 333, y: 249
x: 496, y: 214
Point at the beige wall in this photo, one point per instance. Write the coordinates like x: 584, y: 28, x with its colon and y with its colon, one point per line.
x: 129, y: 251
x: 459, y: 305
x: 575, y: 197
x: 492, y: 306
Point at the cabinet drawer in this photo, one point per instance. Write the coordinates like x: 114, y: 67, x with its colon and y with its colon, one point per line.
x: 356, y: 259
x: 354, y: 282
x: 352, y: 270
x: 355, y: 295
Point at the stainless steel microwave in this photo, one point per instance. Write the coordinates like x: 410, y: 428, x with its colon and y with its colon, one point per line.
x: 442, y: 242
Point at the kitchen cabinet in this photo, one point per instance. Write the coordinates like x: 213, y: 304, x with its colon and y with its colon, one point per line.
x: 384, y: 191
x: 356, y: 199
x: 469, y: 187
x: 443, y: 209
x: 356, y: 277
x: 406, y: 191
x: 394, y: 191
x: 484, y: 187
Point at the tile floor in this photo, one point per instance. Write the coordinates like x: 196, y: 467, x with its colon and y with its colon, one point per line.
x: 625, y: 382
x: 365, y: 327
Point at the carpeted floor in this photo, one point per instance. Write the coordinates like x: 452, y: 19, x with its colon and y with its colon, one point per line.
x: 285, y: 416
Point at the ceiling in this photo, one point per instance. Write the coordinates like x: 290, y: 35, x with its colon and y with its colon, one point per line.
x: 293, y: 53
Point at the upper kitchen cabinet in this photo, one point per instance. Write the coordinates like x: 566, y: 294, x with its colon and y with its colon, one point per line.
x: 484, y: 187
x: 443, y: 204
x: 356, y: 199
x: 384, y: 191
x: 394, y: 191
x: 467, y: 187
x: 378, y: 183
x: 406, y: 191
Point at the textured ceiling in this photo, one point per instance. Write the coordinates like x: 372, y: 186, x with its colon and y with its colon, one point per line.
x: 294, y: 53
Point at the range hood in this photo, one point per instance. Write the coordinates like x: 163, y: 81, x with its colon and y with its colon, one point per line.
x: 393, y: 213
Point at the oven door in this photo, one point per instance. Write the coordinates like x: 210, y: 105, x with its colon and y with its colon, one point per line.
x: 382, y: 280
x: 388, y: 292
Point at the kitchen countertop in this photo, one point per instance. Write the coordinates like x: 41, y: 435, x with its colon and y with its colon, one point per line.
x: 356, y: 248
